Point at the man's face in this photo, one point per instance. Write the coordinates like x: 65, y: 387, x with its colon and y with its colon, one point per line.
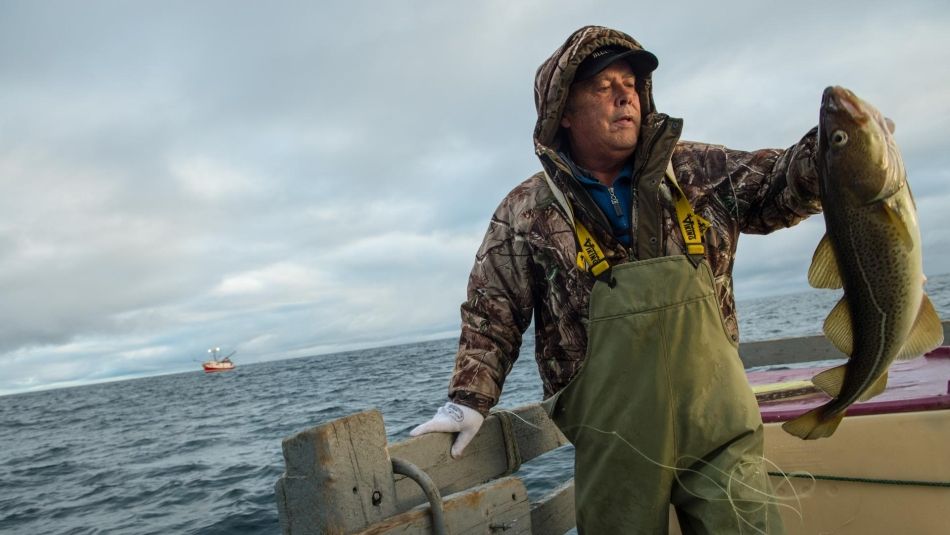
x: 602, y: 116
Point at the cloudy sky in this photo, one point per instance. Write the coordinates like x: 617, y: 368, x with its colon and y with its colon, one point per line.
x: 294, y: 178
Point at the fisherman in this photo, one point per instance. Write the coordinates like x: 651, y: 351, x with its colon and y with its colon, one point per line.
x: 622, y: 249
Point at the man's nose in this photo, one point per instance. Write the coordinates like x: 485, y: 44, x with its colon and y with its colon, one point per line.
x: 625, y: 96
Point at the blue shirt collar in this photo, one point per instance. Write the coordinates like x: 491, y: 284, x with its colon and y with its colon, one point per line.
x: 585, y: 176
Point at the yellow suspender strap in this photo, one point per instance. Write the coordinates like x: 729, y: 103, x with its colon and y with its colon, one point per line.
x: 590, y: 257
x: 692, y: 225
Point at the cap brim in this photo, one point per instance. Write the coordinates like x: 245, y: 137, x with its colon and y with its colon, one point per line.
x: 642, y: 61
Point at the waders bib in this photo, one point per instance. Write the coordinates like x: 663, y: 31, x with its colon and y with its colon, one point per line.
x: 661, y: 411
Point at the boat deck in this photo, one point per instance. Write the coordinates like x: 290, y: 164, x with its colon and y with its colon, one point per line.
x: 886, y: 469
x: 913, y: 385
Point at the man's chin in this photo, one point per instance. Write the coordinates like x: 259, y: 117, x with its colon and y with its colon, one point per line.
x: 625, y: 144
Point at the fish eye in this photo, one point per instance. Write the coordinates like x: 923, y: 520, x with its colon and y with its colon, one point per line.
x: 839, y: 138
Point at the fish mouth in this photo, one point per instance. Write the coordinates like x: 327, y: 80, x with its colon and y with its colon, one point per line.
x: 840, y: 101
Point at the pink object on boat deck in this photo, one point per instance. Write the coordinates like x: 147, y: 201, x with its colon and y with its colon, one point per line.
x: 921, y: 384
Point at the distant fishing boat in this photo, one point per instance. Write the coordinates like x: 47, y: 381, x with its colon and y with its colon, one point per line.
x: 216, y: 364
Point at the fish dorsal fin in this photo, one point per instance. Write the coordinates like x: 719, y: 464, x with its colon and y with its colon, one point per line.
x: 877, y: 388
x: 897, y: 217
x: 830, y: 380
x: 838, y: 328
x: 926, y: 333
x: 823, y: 272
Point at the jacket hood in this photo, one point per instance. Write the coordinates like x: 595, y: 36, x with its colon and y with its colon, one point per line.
x: 555, y: 76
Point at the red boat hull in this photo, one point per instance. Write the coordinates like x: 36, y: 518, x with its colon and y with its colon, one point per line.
x: 217, y: 367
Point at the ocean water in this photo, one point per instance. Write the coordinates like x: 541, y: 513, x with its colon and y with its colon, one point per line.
x: 199, y: 454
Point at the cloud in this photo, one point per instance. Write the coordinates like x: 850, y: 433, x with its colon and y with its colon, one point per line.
x: 294, y: 178
x: 776, y: 263
x: 209, y: 180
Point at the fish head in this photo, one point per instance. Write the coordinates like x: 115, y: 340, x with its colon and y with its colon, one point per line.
x: 856, y: 148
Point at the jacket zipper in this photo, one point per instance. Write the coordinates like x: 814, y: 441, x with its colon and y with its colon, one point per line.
x: 615, y: 202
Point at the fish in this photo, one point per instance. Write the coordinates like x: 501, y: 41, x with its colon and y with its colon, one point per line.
x: 872, y: 250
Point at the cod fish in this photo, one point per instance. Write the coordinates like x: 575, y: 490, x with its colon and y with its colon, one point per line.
x: 871, y: 248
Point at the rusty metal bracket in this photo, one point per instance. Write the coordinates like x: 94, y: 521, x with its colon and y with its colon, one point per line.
x: 431, y: 491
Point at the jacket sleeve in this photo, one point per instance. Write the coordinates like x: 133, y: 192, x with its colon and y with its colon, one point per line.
x: 494, y: 316
x: 772, y: 188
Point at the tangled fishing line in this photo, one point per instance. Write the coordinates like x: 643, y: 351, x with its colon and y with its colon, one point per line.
x: 729, y: 492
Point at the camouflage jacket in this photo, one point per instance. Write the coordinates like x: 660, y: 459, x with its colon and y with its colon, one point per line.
x: 526, y: 267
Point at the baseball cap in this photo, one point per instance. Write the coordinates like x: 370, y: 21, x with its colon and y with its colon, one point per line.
x: 641, y: 61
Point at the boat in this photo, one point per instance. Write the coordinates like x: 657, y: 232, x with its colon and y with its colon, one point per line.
x: 216, y: 364
x: 887, y: 467
x: 885, y: 470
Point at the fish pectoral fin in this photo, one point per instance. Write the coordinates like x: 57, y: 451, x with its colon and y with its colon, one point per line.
x: 877, y: 388
x: 926, y: 333
x: 838, y: 329
x: 830, y: 380
x: 823, y: 272
x: 810, y: 425
x: 897, y: 218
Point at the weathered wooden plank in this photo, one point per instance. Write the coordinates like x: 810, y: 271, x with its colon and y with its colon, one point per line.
x: 484, y: 458
x: 498, y: 507
x: 554, y: 514
x: 338, y: 477
x: 792, y: 350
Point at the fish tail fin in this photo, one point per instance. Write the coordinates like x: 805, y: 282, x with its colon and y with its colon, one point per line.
x: 810, y: 425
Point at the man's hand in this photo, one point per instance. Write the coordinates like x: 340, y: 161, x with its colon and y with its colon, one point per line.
x: 451, y: 418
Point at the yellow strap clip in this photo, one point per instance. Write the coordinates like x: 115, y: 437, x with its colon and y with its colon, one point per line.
x: 692, y: 225
x: 590, y: 257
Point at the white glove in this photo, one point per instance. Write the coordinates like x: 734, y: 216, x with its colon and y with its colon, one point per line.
x: 451, y: 418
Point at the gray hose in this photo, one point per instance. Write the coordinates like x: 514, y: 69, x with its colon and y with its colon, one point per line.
x: 413, y: 472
